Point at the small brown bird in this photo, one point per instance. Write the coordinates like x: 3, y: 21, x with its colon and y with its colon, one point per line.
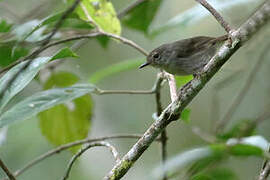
x: 185, y: 57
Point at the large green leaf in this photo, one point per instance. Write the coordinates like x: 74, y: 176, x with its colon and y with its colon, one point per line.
x: 115, y: 69
x: 102, y: 13
x: 253, y: 145
x: 22, y: 79
x: 140, y: 18
x: 41, y: 101
x: 25, y: 76
x: 66, y: 122
x: 246, y: 150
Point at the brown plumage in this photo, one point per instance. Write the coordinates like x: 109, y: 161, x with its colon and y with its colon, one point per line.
x: 186, y: 56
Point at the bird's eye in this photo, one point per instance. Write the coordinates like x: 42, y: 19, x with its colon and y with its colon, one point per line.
x: 156, y: 56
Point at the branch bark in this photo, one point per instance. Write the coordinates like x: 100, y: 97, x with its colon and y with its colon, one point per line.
x: 190, y: 90
x: 6, y: 170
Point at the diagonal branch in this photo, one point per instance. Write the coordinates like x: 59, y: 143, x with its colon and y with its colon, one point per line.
x: 189, y: 91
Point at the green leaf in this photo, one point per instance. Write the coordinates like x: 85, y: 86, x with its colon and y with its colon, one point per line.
x: 204, y: 163
x: 24, y: 77
x: 102, y: 13
x: 185, y: 115
x: 222, y: 174
x: 181, y: 160
x: 62, y: 124
x: 115, y: 69
x: 41, y: 101
x: 245, y: 127
x: 66, y: 122
x: 200, y: 176
x: 181, y: 80
x: 218, y: 153
x: 197, y: 13
x: 203, y: 157
x: 140, y: 18
x: 64, y: 53
x: 28, y: 32
x: 252, y: 145
x: 4, y: 26
x: 61, y: 79
x: 217, y: 173
x: 6, y: 56
x: 245, y: 150
x: 75, y: 24
x: 103, y: 40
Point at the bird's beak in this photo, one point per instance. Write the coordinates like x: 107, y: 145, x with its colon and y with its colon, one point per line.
x: 143, y: 65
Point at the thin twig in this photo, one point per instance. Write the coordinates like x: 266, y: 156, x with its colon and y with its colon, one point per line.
x: 125, y: 11
x: 6, y: 170
x: 204, y: 135
x: 172, y: 85
x: 241, y: 95
x: 163, y: 136
x: 215, y: 104
x: 72, y: 144
x: 77, y: 155
x: 154, y: 89
x: 164, y: 139
x: 127, y: 41
x: 218, y: 17
x: 103, y: 92
x: 263, y: 116
x: 41, y: 48
x: 114, y: 36
x: 252, y: 125
x: 79, y: 37
x: 265, y: 170
x: 89, y: 18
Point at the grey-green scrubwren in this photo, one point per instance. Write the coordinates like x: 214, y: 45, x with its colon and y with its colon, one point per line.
x: 186, y: 56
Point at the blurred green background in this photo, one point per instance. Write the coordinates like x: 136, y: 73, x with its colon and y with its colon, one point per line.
x: 115, y: 114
